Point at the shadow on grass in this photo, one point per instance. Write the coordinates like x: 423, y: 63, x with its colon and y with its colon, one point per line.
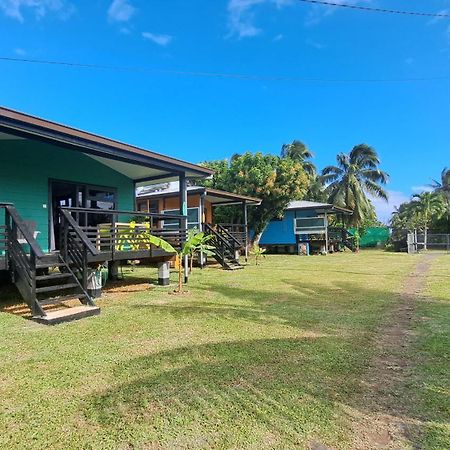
x: 335, y: 308
x: 287, y: 391
x: 230, y: 394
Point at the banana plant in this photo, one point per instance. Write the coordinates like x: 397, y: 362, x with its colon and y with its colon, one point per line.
x: 195, y: 242
x: 200, y: 246
x: 257, y: 252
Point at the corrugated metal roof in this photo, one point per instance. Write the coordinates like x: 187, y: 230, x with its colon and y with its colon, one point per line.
x: 305, y: 204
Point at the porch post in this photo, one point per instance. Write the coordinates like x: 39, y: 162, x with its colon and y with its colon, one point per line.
x: 183, y: 211
x: 244, y: 210
x: 202, y: 219
x: 326, y: 234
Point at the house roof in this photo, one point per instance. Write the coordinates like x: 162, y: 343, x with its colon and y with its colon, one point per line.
x: 134, y: 162
x: 325, y: 207
x: 215, y: 196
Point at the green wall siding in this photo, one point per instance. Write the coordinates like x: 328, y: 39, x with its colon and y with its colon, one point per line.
x: 26, y: 168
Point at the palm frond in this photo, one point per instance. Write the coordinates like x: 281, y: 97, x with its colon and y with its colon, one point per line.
x: 375, y: 190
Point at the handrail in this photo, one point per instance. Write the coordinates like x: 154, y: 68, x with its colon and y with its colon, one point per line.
x: 80, y: 233
x: 31, y: 241
x: 108, y: 212
x: 219, y: 236
x: 228, y: 234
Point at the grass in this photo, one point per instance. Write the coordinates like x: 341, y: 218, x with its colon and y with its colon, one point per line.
x: 266, y: 357
x: 432, y: 375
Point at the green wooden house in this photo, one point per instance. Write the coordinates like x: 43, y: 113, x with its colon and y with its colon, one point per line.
x: 67, y: 204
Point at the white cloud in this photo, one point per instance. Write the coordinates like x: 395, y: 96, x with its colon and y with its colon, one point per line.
x: 160, y: 39
x: 20, y: 51
x: 241, y: 16
x: 437, y: 19
x: 40, y: 8
x: 420, y: 189
x: 278, y: 37
x: 314, y: 44
x: 121, y: 11
x: 318, y: 12
x: 385, y: 209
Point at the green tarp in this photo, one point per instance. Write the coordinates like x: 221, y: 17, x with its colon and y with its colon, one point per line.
x: 373, y: 236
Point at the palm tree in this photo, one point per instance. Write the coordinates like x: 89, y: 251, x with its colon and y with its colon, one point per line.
x: 427, y: 206
x: 355, y: 177
x: 316, y: 190
x: 298, y: 151
x: 443, y: 187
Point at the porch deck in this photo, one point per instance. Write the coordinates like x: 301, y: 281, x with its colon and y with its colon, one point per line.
x: 82, y: 244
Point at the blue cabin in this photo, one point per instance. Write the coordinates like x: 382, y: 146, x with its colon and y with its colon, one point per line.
x: 305, y: 229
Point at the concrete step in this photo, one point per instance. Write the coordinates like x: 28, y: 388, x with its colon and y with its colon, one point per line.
x: 68, y: 314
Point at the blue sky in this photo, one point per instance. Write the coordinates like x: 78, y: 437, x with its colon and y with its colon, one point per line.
x: 197, y: 118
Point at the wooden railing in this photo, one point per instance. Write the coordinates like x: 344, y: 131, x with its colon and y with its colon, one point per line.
x: 223, y: 247
x: 238, y: 231
x: 121, y: 233
x: 21, y: 265
x: 342, y: 236
x: 229, y: 236
x: 75, y: 247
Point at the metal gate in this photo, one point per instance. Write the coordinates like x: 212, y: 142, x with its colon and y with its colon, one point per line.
x: 420, y: 241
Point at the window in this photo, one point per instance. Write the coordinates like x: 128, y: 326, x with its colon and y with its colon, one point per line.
x: 193, y: 220
x: 310, y: 225
x: 100, y: 199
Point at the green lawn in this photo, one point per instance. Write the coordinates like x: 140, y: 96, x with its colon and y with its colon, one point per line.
x: 266, y: 357
x: 432, y: 375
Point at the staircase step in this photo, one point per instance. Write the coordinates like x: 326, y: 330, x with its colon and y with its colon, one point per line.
x: 60, y: 299
x: 58, y: 287
x: 53, y: 276
x: 50, y: 264
x: 234, y: 267
x: 68, y: 314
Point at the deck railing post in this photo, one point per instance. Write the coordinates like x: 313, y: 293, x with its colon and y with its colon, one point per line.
x: 113, y: 236
x: 34, y: 309
x: 244, y: 210
x: 85, y: 268
x: 183, y: 220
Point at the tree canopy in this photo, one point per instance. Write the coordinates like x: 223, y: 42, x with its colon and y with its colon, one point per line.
x: 298, y: 151
x: 356, y: 177
x: 425, y: 211
x: 273, y: 179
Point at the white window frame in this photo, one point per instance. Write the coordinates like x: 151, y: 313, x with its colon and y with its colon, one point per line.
x: 177, y: 211
x: 311, y: 230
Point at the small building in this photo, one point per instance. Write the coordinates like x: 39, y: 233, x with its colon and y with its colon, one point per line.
x: 67, y: 204
x: 230, y: 239
x: 305, y: 229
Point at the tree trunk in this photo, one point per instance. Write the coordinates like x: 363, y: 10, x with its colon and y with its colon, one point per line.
x: 425, y: 238
x: 180, y: 275
x: 256, y: 238
x: 192, y: 264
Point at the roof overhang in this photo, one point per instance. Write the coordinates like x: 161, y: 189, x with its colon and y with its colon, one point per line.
x: 329, y: 209
x: 142, y: 166
x: 214, y: 196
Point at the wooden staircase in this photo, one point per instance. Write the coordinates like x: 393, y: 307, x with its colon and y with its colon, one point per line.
x: 45, y: 281
x: 56, y: 283
x: 225, y: 247
x: 343, y: 237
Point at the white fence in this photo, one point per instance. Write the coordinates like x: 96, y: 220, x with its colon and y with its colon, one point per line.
x: 418, y: 241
